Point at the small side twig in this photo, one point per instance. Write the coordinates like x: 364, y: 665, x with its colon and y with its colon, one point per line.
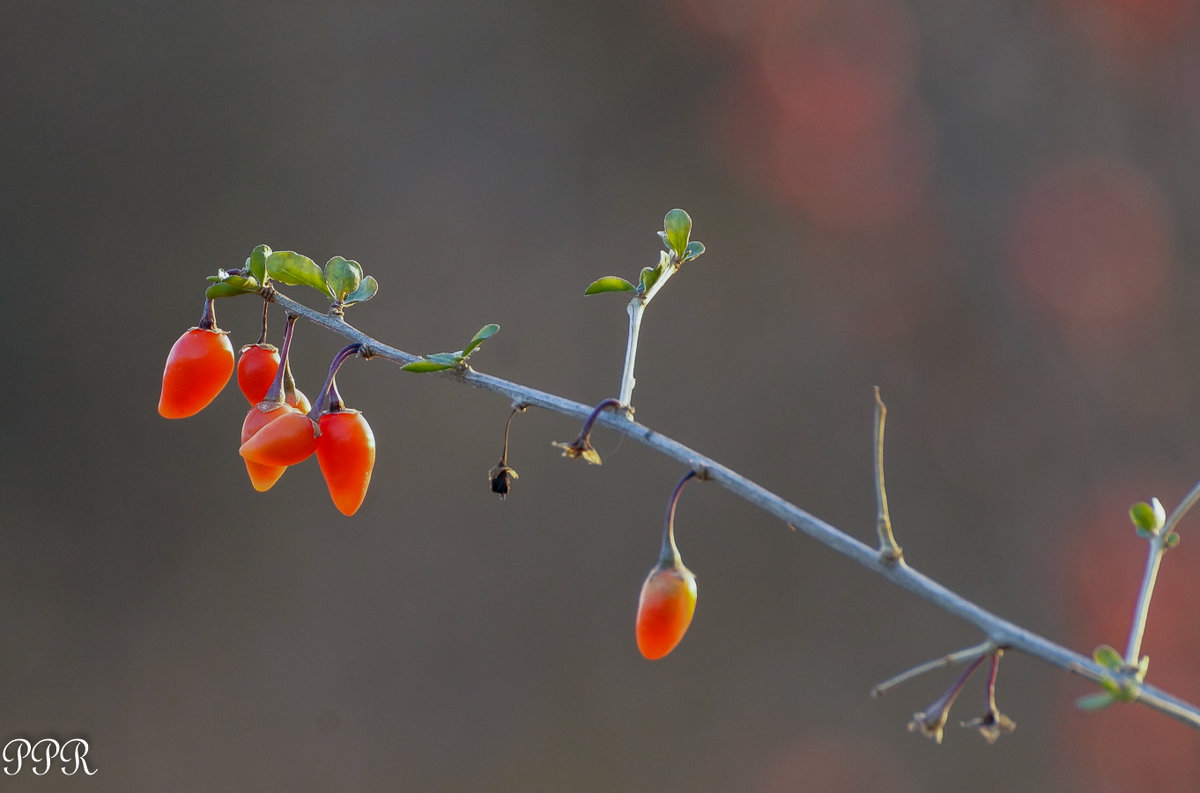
x: 636, y: 310
x: 1158, y: 544
x: 953, y: 659
x: 889, y: 551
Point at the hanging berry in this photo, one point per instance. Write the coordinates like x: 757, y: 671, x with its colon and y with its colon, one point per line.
x: 198, y: 367
x: 276, y: 403
x: 257, y: 365
x: 668, y: 597
x: 345, y: 443
x: 346, y: 454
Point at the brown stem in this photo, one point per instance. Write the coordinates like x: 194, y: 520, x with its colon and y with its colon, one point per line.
x: 669, y: 556
x: 276, y: 391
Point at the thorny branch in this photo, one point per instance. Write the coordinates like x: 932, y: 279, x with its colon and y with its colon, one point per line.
x: 998, y: 631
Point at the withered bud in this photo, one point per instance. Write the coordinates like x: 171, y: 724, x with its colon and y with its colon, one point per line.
x: 579, y: 448
x: 501, y: 477
x: 930, y: 725
x: 992, y: 725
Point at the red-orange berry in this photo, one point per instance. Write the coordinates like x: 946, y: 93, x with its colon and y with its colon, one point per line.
x: 287, y: 440
x: 668, y: 598
x: 198, y: 367
x: 295, y: 397
x: 665, y: 609
x: 263, y: 477
x: 346, y: 454
x: 256, y: 368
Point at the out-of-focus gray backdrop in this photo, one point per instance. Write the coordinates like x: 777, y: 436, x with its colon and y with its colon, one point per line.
x: 987, y: 209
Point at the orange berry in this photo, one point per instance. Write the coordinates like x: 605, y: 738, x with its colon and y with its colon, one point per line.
x: 296, y: 399
x: 198, y: 367
x: 256, y: 368
x: 665, y: 609
x: 287, y: 440
x: 262, y: 477
x: 346, y: 454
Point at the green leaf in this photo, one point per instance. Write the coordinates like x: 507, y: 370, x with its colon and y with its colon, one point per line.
x: 677, y: 225
x: 486, y: 332
x: 1142, y: 515
x: 1111, y: 686
x: 692, y: 251
x: 293, y: 269
x: 343, y: 276
x: 1095, y: 701
x: 256, y: 263
x: 226, y: 285
x: 366, y: 290
x: 445, y: 358
x: 425, y: 366
x: 226, y: 289
x: 609, y: 283
x: 1108, y: 657
x: 1148, y: 517
x: 649, y: 277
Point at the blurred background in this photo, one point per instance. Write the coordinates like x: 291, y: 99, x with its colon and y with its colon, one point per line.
x: 987, y: 209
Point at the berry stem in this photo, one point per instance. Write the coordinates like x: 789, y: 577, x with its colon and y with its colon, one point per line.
x: 335, y: 397
x: 931, y: 720
x: 262, y: 336
x: 326, y: 399
x: 586, y: 433
x: 504, y: 452
x: 284, y: 373
x: 991, y: 681
x: 581, y: 447
x: 669, y: 556
x: 208, y: 320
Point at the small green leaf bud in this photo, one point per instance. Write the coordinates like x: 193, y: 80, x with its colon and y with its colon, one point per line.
x: 677, y: 226
x: 1148, y: 517
x: 1108, y: 657
x: 343, y: 277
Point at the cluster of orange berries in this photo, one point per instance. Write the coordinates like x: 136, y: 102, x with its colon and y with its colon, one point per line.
x: 282, y: 428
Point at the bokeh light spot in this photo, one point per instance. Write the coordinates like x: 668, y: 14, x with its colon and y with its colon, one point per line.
x: 1091, y: 244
